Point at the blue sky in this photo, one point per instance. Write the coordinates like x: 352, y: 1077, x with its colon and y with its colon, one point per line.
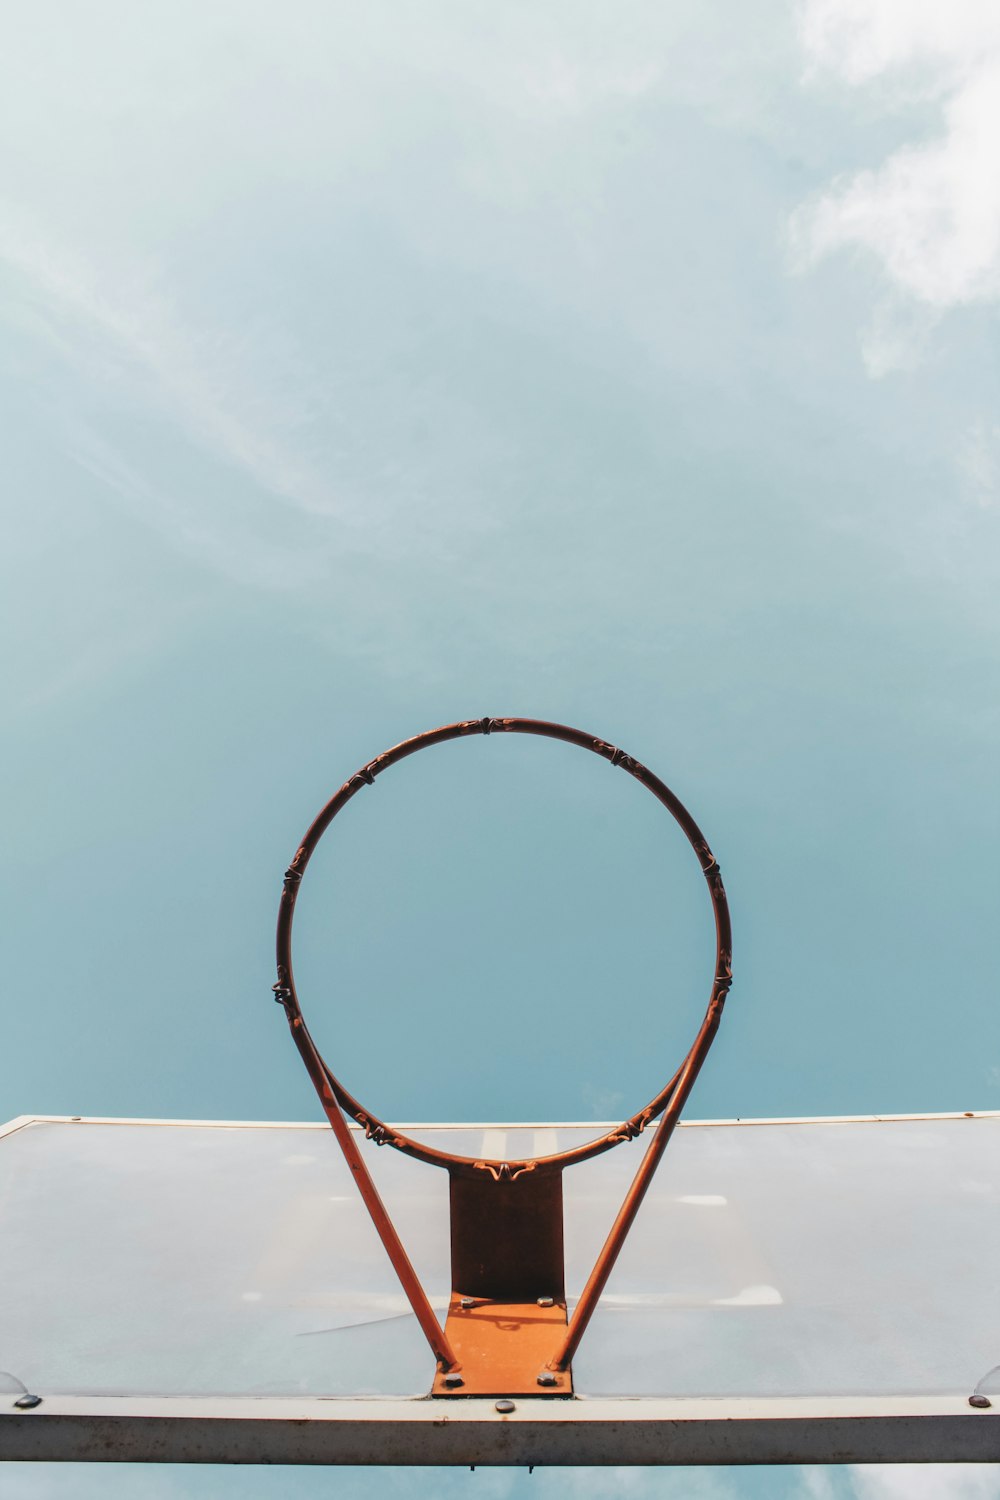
x: 368, y: 367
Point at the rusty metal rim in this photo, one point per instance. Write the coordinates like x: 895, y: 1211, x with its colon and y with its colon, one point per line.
x: 329, y: 1086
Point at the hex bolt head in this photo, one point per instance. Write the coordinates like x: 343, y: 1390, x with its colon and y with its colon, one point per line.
x: 981, y: 1401
x: 28, y: 1401
x: 453, y: 1379
x: 547, y: 1378
x: 504, y: 1406
x: 546, y: 1301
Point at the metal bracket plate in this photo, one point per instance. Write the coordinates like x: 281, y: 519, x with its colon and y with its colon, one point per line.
x: 502, y: 1348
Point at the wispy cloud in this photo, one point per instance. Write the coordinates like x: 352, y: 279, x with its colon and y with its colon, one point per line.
x: 116, y: 328
x: 569, y: 86
x: 980, y: 462
x: 929, y: 214
x: 208, y: 535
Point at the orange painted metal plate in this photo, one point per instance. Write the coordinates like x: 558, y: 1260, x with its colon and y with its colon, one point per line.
x: 502, y: 1348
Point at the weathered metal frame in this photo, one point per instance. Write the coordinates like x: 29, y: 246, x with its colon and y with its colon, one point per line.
x: 338, y: 1101
x: 596, y: 1432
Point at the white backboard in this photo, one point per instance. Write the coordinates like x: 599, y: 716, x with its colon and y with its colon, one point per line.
x: 793, y: 1290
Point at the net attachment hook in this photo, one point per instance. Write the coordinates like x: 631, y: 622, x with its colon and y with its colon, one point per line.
x: 502, y: 1335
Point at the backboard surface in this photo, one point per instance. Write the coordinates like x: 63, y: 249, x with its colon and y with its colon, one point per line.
x: 162, y: 1277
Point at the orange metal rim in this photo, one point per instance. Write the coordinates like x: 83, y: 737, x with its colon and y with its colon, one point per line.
x: 285, y: 992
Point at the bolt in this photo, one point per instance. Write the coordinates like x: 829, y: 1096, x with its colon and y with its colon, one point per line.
x: 453, y: 1379
x: 977, y: 1400
x: 547, y: 1378
x: 27, y: 1401
x: 467, y: 1302
x: 546, y: 1301
x: 504, y: 1406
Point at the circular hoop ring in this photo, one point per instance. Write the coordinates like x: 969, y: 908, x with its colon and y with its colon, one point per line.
x: 285, y: 993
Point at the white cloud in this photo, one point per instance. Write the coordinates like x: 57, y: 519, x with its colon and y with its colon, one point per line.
x: 930, y: 213
x: 926, y: 1482
x: 817, y: 1483
x: 644, y: 1484
x: 864, y: 39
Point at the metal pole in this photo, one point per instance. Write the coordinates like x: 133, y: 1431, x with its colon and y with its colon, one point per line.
x: 417, y: 1297
x: 626, y: 1214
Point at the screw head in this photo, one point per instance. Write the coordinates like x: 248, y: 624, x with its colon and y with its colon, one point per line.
x: 547, y: 1378
x: 504, y: 1406
x: 453, y: 1379
x: 981, y: 1401
x: 28, y: 1401
x: 546, y: 1301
